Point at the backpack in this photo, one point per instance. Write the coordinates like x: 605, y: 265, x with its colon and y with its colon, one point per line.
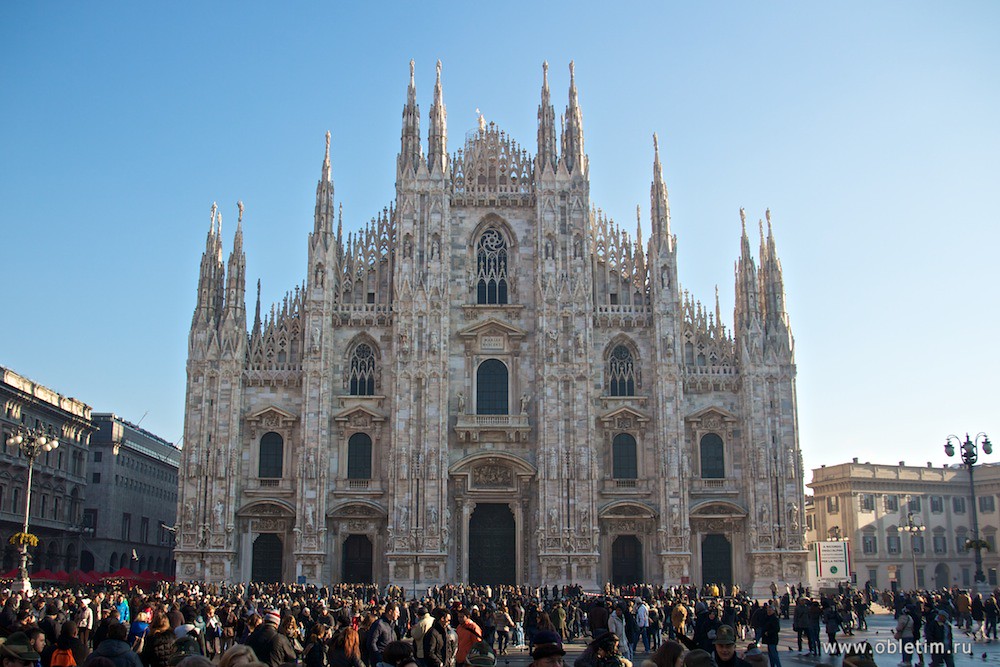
x: 62, y: 657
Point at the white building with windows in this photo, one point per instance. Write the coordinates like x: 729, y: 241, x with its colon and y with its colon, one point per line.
x: 491, y: 382
x: 873, y: 506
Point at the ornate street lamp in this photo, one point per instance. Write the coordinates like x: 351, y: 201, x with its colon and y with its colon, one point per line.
x: 31, y: 442
x: 970, y: 454
x: 914, y: 529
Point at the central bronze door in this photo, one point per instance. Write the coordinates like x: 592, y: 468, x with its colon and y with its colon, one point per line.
x: 267, y: 559
x: 717, y: 560
x: 492, y: 545
x: 358, y: 560
x: 626, y: 561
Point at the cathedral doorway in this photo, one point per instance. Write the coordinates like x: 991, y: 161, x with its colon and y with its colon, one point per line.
x: 268, y: 559
x: 626, y: 561
x: 357, y: 560
x: 492, y: 545
x: 942, y: 576
x: 717, y: 560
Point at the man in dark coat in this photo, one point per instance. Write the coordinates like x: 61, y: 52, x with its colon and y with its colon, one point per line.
x: 725, y: 648
x: 597, y: 618
x: 116, y: 649
x: 381, y: 634
x: 437, y: 652
x: 271, y: 647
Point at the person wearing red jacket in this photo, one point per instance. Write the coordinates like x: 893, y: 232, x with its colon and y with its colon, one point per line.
x: 469, y: 634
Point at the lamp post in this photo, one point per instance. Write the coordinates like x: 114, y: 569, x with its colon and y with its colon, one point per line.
x: 970, y: 454
x: 914, y: 529
x: 31, y: 442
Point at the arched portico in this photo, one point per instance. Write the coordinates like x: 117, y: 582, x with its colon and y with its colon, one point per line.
x: 270, y: 558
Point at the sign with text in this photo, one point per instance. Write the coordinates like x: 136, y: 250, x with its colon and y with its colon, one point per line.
x: 833, y: 560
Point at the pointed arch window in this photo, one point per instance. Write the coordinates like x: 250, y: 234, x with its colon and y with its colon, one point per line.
x: 272, y: 454
x: 713, y: 462
x: 362, y: 373
x: 491, y: 388
x: 621, y: 372
x: 359, y: 456
x: 491, y: 268
x: 624, y: 463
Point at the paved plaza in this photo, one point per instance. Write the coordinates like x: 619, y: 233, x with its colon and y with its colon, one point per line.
x: 879, y: 635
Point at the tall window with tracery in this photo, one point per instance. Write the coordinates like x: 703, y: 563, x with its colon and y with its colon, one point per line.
x: 491, y: 268
x: 621, y: 372
x: 362, y: 374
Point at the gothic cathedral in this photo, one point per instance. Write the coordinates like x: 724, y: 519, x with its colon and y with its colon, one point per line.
x: 491, y: 383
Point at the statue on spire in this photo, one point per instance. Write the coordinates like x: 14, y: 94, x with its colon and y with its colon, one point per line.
x: 239, y: 205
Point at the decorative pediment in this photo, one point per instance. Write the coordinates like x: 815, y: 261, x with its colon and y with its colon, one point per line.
x: 714, y: 509
x: 271, y: 507
x: 271, y: 418
x: 712, y: 418
x: 492, y: 471
x: 626, y: 509
x: 492, y: 327
x: 623, y: 418
x: 358, y: 509
x: 359, y: 418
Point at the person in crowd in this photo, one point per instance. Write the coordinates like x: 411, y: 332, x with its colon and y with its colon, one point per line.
x: 159, y: 644
x: 669, y: 654
x: 271, y: 647
x: 314, y: 654
x: 940, y: 639
x: 504, y: 624
x: 18, y: 652
x: 548, y: 650
x: 115, y: 649
x: 769, y: 634
x: 69, y: 649
x: 724, y: 648
x: 422, y: 623
x: 345, y: 648
x: 239, y: 655
x: 469, y: 633
x: 436, y: 640
x: 381, y: 633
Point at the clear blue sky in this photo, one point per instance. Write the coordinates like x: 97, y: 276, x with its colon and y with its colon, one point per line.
x: 869, y: 129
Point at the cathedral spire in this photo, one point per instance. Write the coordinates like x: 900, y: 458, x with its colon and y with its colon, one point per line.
x: 410, y: 151
x: 546, y: 126
x: 747, y: 289
x: 659, y: 203
x: 772, y: 290
x: 235, y: 305
x: 323, y: 216
x: 437, y: 139
x: 573, y: 157
x: 256, y: 316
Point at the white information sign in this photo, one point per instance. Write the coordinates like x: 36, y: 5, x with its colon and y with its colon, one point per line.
x: 833, y: 561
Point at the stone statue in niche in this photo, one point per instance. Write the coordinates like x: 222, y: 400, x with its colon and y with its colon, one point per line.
x: 432, y: 515
x: 525, y: 399
x: 461, y: 402
x: 404, y: 343
x: 217, y: 514
x: 553, y: 520
x: 310, y: 517
x: 404, y: 519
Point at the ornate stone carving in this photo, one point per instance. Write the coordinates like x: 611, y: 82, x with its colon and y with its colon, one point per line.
x: 492, y: 475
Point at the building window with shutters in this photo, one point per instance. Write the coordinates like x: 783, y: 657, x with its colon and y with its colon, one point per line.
x: 892, y: 503
x: 712, y: 453
x: 937, y: 504
x: 624, y: 461
x: 271, y: 457
x: 987, y: 504
x: 958, y: 504
x: 869, y: 544
x: 359, y: 456
x: 867, y: 502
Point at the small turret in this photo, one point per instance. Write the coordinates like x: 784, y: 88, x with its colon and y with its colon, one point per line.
x: 777, y: 330
x: 235, y: 307
x: 410, y: 152
x: 659, y: 203
x: 574, y: 159
x: 323, y: 217
x: 437, y: 139
x: 547, y: 156
x: 747, y: 315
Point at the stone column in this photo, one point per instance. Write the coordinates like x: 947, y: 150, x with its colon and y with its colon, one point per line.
x: 463, y: 567
x: 516, y: 508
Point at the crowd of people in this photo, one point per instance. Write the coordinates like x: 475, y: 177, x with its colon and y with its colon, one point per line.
x: 196, y: 625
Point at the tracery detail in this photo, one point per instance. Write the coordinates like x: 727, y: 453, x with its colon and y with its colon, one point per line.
x: 622, y: 374
x: 362, y: 372
x: 491, y: 268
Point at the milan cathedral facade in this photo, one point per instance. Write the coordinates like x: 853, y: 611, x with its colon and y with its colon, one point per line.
x: 493, y: 383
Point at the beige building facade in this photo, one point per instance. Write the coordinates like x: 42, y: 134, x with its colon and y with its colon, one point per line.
x: 491, y: 382
x: 873, y: 505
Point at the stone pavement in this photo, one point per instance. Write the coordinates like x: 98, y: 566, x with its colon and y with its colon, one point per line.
x: 879, y: 635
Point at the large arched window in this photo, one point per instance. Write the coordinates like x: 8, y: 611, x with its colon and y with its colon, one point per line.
x: 713, y: 462
x: 362, y: 373
x: 359, y: 457
x: 621, y: 372
x: 623, y: 453
x: 491, y: 268
x: 491, y: 388
x: 272, y: 456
